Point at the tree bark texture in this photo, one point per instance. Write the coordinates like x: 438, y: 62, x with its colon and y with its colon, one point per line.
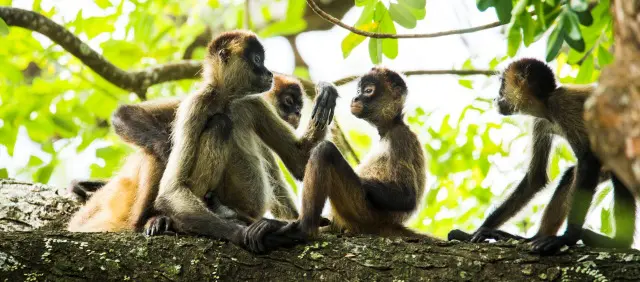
x: 48, y: 254
x: 613, y: 112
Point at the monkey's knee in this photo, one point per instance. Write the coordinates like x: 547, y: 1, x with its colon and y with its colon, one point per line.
x: 122, y: 116
x: 326, y: 152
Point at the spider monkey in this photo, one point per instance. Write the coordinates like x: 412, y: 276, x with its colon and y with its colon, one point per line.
x: 216, y: 146
x: 152, y: 132
x: 380, y: 194
x: 529, y: 87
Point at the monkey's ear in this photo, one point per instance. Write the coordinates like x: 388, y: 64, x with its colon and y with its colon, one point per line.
x: 224, y: 54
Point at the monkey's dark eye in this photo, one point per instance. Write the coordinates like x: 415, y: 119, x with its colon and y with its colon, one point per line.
x: 288, y: 101
x: 257, y: 59
x: 368, y: 90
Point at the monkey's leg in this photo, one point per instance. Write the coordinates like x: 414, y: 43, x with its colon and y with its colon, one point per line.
x: 329, y: 176
x: 136, y: 125
x: 556, y: 211
x: 587, y: 174
x: 84, y: 189
x: 624, y: 211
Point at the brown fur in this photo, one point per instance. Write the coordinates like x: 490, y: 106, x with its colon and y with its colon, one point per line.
x: 140, y: 176
x: 529, y: 87
x: 395, y: 169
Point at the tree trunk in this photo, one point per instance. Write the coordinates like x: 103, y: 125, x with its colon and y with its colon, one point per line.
x: 613, y: 112
x: 48, y: 254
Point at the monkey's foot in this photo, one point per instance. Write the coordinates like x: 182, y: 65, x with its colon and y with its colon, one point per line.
x: 457, y: 234
x: 266, y: 235
x: 158, y: 225
x: 549, y: 245
x: 483, y: 234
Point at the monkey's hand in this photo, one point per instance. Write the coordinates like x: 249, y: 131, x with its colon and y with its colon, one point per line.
x: 266, y: 235
x: 158, y: 225
x: 325, y: 104
x: 483, y: 234
x: 457, y: 234
x: 550, y: 245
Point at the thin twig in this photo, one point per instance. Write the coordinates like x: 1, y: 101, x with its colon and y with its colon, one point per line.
x: 312, y: 4
x: 247, y: 16
x: 348, y: 79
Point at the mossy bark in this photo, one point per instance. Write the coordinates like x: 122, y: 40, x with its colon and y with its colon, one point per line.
x: 41, y: 252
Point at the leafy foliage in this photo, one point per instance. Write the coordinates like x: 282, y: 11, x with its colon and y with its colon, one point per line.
x: 376, y: 17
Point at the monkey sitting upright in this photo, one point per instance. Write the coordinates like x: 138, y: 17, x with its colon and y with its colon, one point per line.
x: 151, y: 132
x: 383, y: 191
x: 217, y: 137
x: 529, y: 87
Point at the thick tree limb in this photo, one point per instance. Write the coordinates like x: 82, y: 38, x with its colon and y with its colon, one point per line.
x: 613, y: 113
x: 135, y: 81
x: 314, y: 6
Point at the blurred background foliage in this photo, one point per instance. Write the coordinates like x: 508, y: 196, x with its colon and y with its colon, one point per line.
x: 58, y: 111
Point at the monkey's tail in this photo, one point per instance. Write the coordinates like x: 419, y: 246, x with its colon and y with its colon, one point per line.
x: 403, y: 231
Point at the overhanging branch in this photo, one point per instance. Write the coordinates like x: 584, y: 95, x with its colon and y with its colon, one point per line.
x: 314, y: 6
x: 135, y: 81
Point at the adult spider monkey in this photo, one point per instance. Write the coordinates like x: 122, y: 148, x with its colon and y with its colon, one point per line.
x: 216, y: 142
x: 383, y: 191
x: 152, y: 133
x: 529, y: 87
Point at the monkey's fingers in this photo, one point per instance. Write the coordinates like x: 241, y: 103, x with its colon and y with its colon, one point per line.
x: 548, y: 245
x: 459, y: 235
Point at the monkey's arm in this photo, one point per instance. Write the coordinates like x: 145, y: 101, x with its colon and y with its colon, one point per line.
x: 294, y: 151
x: 283, y: 207
x: 147, y: 125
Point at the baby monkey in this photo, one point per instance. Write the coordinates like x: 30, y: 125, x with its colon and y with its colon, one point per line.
x: 383, y: 191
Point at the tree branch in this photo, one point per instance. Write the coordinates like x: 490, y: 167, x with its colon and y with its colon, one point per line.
x: 312, y: 4
x: 348, y: 79
x: 135, y: 81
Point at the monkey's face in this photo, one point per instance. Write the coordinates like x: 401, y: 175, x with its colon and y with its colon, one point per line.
x: 260, y: 78
x: 505, y: 107
x: 236, y: 59
x: 289, y: 104
x: 380, y: 98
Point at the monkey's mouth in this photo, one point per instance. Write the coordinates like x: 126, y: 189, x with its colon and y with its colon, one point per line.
x: 294, y: 120
x: 505, y: 108
x: 357, y: 109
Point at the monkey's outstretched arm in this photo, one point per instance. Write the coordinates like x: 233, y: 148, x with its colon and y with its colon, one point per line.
x: 294, y: 151
x: 147, y: 125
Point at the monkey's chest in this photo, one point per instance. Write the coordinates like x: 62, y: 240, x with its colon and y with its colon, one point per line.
x: 245, y: 185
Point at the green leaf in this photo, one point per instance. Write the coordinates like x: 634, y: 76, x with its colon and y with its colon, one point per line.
x: 483, y: 5
x: 125, y: 53
x: 350, y: 42
x: 466, y: 83
x: 103, y: 4
x: 379, y: 12
x: 604, y: 57
x: 585, y: 18
x: 295, y: 9
x: 513, y: 40
x: 520, y: 7
x: 503, y: 9
x: 586, y: 71
x: 572, y: 30
x: 606, y: 226
x: 402, y: 16
x: 417, y: 4
x: 539, y: 8
x: 528, y: 29
x: 44, y: 173
x: 578, y: 5
x: 375, y: 52
x: 4, y: 173
x: 360, y: 3
x: 34, y: 161
x: 419, y: 14
x: 554, y: 43
x: 389, y: 45
x: 4, y: 29
x: 366, y: 16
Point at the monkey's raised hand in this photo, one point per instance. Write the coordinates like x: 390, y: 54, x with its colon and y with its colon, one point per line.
x: 325, y: 104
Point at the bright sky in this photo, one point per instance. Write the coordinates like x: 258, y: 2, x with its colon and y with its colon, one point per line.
x: 321, y: 50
